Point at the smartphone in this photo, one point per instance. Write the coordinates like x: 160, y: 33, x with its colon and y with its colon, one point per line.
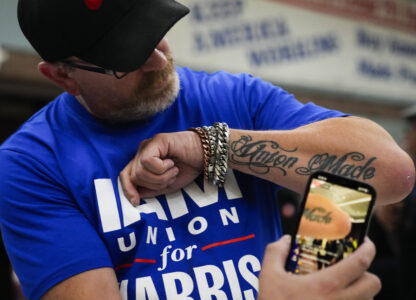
x: 334, y: 219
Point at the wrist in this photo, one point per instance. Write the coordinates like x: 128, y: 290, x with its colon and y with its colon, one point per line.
x: 214, y: 144
x: 200, y: 148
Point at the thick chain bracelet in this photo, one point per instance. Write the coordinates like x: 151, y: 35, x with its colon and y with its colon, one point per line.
x: 221, y: 153
x: 214, y: 140
x: 206, y: 148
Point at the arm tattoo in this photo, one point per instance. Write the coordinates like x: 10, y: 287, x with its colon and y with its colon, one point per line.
x: 335, y: 165
x: 317, y: 214
x: 258, y: 159
x: 263, y: 155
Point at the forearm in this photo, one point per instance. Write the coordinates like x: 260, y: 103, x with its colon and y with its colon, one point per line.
x: 352, y: 147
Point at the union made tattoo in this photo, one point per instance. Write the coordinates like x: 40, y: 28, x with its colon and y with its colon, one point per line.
x: 337, y: 165
x: 261, y: 156
x: 318, y: 214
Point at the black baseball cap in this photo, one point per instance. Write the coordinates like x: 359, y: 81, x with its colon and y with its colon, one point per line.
x: 114, y: 34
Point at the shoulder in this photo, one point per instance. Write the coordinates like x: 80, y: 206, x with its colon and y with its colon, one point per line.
x: 31, y: 149
x: 226, y: 81
x: 218, y: 78
x: 224, y: 85
x: 37, y: 132
x: 33, y: 139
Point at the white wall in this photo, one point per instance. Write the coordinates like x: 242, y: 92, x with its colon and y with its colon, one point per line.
x: 310, y: 43
x: 10, y: 34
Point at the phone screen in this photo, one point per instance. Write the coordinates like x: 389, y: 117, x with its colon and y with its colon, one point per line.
x: 333, y: 223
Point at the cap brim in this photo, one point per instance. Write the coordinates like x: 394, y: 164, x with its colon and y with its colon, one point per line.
x: 129, y: 43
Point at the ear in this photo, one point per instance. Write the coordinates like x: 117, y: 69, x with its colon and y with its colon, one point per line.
x: 59, y: 76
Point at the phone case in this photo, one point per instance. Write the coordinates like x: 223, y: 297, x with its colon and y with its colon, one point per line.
x: 334, y: 221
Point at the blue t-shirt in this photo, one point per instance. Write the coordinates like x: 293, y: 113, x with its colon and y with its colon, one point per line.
x: 62, y: 210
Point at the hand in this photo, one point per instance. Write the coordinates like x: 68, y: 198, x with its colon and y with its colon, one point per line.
x: 163, y: 164
x: 346, y: 279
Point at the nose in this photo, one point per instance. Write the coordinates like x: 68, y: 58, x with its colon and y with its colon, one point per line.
x: 156, y: 61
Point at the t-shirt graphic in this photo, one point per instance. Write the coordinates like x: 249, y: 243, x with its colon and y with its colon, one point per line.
x: 169, y: 241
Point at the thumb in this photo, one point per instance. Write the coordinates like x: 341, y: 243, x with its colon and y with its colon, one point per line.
x: 284, y: 248
x: 277, y: 252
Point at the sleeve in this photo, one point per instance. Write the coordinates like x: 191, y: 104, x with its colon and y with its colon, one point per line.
x: 47, y: 237
x: 271, y: 107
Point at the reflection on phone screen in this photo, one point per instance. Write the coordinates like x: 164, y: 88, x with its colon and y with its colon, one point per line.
x: 332, y: 226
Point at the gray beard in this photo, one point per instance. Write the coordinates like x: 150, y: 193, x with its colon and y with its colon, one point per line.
x: 145, y: 108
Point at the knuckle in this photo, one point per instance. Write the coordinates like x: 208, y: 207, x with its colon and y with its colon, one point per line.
x: 165, y: 179
x: 123, y: 176
x: 330, y: 287
x: 143, y: 143
x: 145, y: 160
x: 138, y: 170
x: 128, y: 194
x: 272, y: 248
x: 375, y: 283
x: 136, y: 175
x: 160, y: 136
x: 371, y: 246
x: 364, y: 261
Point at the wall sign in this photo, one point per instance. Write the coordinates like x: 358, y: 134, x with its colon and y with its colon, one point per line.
x: 323, y: 47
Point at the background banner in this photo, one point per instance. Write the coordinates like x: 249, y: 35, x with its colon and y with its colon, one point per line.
x: 363, y: 47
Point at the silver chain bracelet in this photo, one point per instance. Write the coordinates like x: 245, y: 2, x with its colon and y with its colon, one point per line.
x: 221, y: 153
x: 216, y: 164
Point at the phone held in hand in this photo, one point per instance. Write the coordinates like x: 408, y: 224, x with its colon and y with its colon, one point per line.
x: 334, y: 221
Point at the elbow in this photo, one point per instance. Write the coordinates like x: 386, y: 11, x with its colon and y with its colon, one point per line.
x: 408, y: 178
x: 399, y: 180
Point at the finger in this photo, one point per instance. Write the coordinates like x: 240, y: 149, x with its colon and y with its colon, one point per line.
x: 147, y: 166
x: 366, y: 287
x: 143, y: 151
x: 149, y: 193
x: 353, y: 267
x: 142, y: 144
x: 156, y: 165
x: 276, y: 253
x: 149, y: 155
x: 143, y: 177
x: 128, y: 187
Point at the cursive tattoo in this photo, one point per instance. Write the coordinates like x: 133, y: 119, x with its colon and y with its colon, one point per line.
x: 318, y: 214
x: 338, y: 165
x: 261, y: 156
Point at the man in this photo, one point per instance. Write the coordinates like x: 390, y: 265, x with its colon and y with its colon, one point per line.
x: 67, y: 223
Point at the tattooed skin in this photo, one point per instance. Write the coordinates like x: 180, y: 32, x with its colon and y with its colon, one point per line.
x: 263, y: 155
x: 258, y: 159
x: 318, y: 214
x: 338, y: 166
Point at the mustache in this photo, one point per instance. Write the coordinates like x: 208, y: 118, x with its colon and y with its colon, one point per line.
x: 153, y: 78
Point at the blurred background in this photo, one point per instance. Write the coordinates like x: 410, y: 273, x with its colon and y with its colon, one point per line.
x: 357, y: 56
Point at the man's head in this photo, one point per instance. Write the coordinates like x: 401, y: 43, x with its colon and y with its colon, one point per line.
x: 115, y: 35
